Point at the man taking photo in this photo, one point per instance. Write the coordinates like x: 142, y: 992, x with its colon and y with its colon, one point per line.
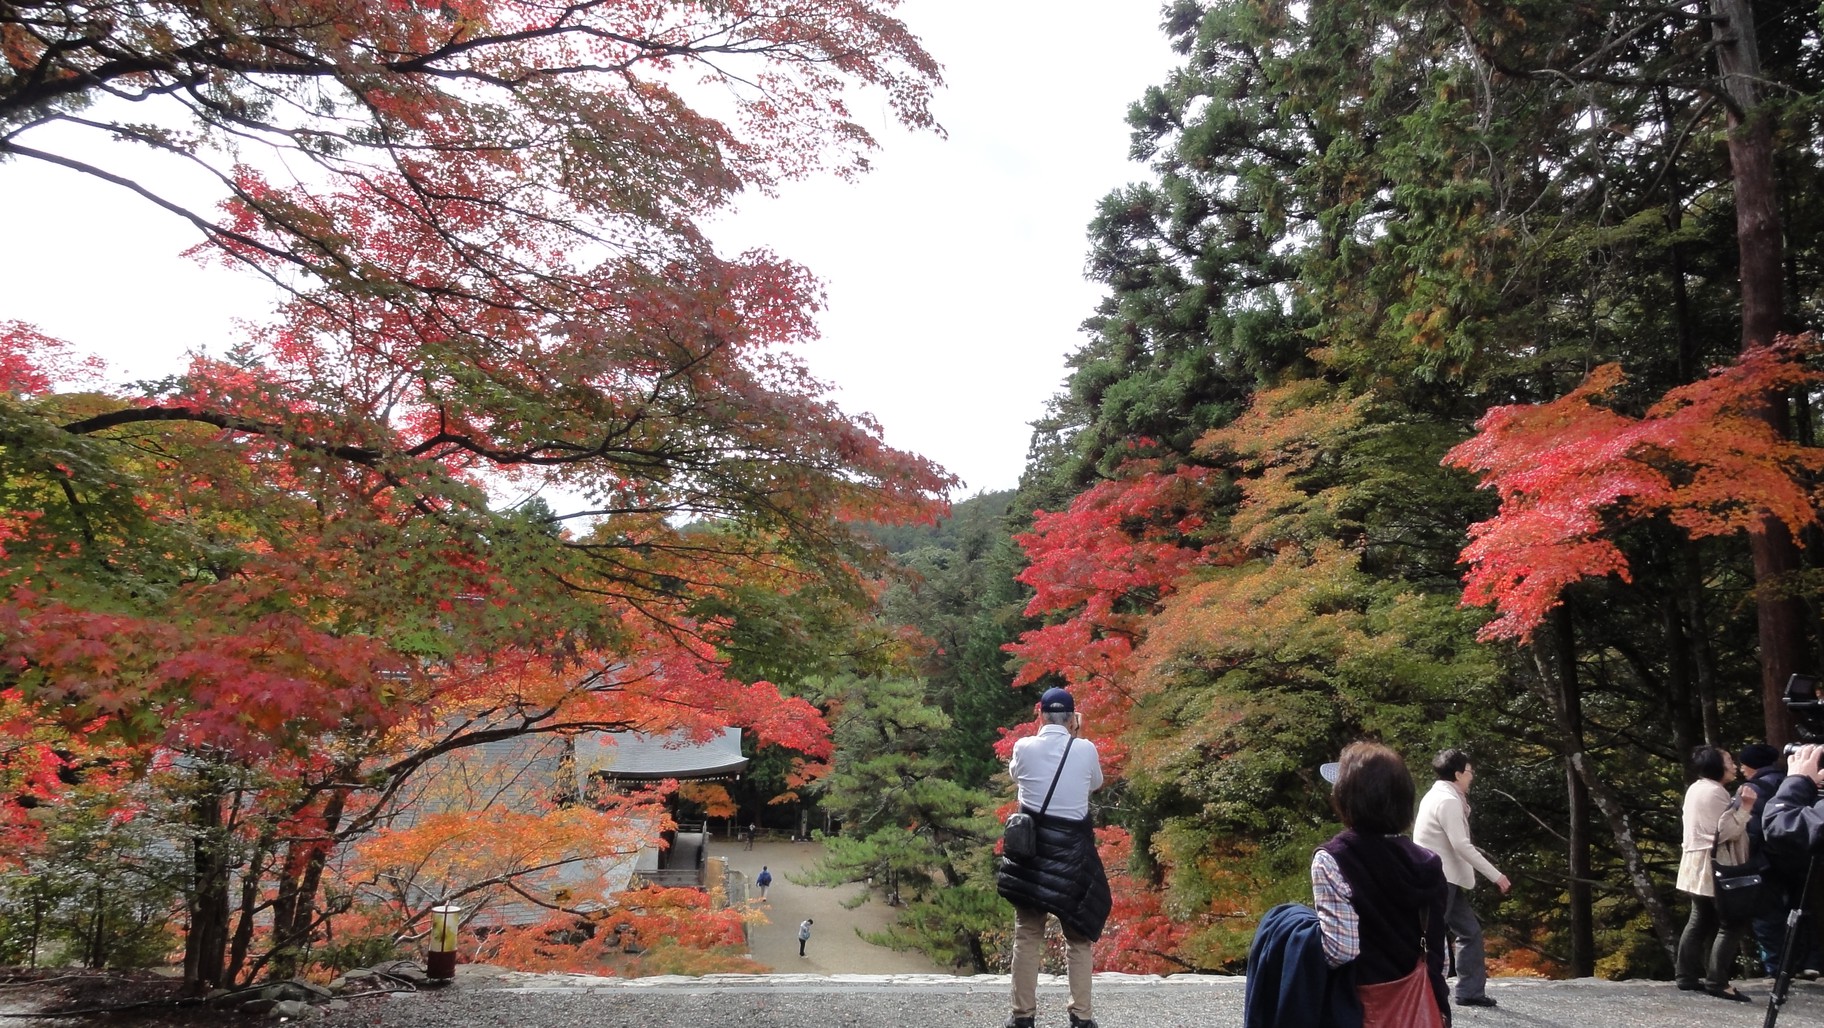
x: 1055, y: 772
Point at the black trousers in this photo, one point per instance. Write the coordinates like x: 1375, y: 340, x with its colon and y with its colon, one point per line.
x: 1707, y: 948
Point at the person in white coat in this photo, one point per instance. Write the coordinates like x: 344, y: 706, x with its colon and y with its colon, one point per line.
x: 1443, y: 828
x: 1714, y: 821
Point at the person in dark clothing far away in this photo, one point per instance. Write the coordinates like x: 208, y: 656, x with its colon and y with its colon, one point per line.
x: 1064, y: 878
x: 1793, y: 820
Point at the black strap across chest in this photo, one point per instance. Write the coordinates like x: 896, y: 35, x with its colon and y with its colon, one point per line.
x: 1055, y: 775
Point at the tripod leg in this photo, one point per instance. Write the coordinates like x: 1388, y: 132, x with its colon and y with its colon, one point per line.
x: 1782, y: 980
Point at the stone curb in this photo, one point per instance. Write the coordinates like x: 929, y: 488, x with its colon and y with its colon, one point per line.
x: 746, y: 982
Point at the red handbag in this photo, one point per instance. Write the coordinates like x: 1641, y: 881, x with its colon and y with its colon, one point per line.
x: 1402, y: 1003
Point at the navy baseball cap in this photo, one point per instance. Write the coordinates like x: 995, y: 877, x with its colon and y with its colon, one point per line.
x: 1056, y: 701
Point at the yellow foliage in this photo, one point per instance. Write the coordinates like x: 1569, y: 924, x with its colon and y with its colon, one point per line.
x: 713, y: 798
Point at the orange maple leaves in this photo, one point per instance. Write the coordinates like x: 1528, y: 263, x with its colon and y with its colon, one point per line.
x: 650, y: 931
x: 1571, y: 472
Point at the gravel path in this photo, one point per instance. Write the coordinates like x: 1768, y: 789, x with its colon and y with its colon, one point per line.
x: 843, y: 982
x: 1122, y: 1001
x: 836, y: 946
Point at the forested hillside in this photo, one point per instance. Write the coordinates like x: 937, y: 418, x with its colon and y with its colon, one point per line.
x: 1442, y: 394
x: 1453, y: 385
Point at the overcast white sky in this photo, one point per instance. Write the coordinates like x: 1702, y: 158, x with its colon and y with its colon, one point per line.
x: 953, y: 270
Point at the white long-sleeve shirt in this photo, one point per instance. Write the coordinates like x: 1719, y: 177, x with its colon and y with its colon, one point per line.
x: 1443, y: 828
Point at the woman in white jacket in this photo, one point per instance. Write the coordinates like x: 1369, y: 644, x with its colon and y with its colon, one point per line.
x: 1713, y: 821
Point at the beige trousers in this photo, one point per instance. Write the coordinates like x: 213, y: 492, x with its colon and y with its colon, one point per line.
x: 1029, y: 951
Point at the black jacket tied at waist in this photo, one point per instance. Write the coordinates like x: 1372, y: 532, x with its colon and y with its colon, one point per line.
x: 1065, y: 878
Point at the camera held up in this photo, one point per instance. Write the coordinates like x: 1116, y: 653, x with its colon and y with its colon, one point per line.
x: 1807, y: 710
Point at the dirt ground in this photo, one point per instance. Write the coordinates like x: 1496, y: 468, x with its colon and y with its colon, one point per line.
x: 836, y: 946
x: 142, y: 999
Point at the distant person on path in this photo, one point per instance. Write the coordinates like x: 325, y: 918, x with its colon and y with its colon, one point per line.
x: 1065, y: 878
x: 752, y: 831
x: 1713, y: 822
x: 1443, y: 828
x: 763, y: 879
x: 1380, y: 898
x: 804, y: 934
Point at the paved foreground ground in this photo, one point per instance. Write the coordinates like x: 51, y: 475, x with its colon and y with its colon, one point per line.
x: 918, y: 1001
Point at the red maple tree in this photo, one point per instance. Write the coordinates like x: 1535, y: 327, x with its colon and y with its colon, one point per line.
x: 1101, y: 567
x: 1571, y: 472
x: 284, y: 581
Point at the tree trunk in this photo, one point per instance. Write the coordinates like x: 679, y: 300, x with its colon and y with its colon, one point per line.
x: 1690, y: 701
x: 206, y: 944
x: 1780, y: 615
x: 1782, y: 623
x: 1583, y: 876
x: 1609, y: 803
x: 37, y: 927
x: 1693, y: 611
x: 972, y: 939
x: 251, y: 880
x: 1688, y: 367
x: 294, y: 918
x: 98, y: 954
x: 1580, y: 895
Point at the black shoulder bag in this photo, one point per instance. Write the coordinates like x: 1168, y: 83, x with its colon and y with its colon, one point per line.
x: 1739, y: 887
x: 1020, y: 839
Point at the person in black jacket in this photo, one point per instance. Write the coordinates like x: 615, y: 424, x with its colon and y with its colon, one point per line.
x: 1792, y: 824
x: 1760, y: 765
x: 1055, y: 771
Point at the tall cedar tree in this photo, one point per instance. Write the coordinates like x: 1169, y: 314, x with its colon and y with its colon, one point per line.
x: 1440, y: 211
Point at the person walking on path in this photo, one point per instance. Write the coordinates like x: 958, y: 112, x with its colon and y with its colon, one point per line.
x: 804, y: 934
x: 1055, y: 771
x: 752, y: 830
x: 1713, y: 822
x: 1443, y: 828
x: 764, y: 879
